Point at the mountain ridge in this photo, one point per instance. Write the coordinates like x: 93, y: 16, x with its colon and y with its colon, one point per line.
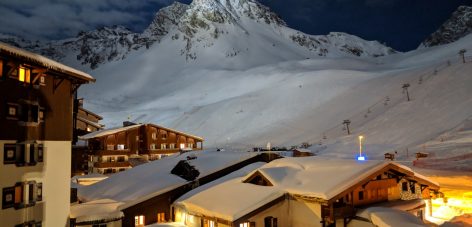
x: 202, y: 21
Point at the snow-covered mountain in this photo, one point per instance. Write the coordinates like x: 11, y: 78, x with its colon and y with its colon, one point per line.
x: 456, y: 27
x: 232, y: 72
x: 233, y: 27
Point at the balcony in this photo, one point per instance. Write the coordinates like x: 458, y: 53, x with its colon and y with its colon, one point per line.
x: 111, y: 164
x: 168, y: 151
x: 112, y: 152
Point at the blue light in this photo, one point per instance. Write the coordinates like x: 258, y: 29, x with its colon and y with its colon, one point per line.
x: 361, y: 158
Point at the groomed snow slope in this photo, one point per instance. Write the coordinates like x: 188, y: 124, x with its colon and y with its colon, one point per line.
x: 291, y: 102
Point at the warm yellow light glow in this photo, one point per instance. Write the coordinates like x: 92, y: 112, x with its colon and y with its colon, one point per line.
x: 445, y: 210
x: 360, y: 145
x: 22, y: 74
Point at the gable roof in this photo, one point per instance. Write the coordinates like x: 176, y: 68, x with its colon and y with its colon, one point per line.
x: 317, y: 177
x: 152, y: 179
x: 91, y: 113
x: 44, y: 62
x: 107, y: 132
x: 111, y: 131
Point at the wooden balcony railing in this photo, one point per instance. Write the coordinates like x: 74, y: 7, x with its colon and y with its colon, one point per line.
x: 111, y: 164
x: 112, y: 152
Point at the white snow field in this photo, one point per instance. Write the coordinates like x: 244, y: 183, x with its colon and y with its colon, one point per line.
x: 291, y: 102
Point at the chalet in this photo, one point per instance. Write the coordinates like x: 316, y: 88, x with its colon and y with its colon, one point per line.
x: 36, y: 118
x: 85, y: 121
x: 304, y: 192
x: 147, y: 191
x: 111, y: 149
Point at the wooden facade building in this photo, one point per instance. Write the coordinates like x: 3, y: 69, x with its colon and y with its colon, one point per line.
x: 110, y: 150
x: 85, y: 121
x: 36, y: 118
x: 306, y: 192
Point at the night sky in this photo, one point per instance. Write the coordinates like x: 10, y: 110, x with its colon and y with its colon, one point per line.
x: 401, y: 24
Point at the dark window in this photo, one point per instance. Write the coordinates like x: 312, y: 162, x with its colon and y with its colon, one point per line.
x: 8, y: 195
x: 12, y: 111
x: 23, y: 194
x: 20, y: 154
x: 29, y: 224
x: 270, y: 222
x: 23, y: 154
x: 361, y: 195
x: 121, y: 159
x: 9, y: 154
x: 412, y: 187
x: 99, y: 225
x: 405, y: 186
x: 29, y: 113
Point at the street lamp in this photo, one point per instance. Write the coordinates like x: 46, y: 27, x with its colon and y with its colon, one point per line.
x: 360, y: 157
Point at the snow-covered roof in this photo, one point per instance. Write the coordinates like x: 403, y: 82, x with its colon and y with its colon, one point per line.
x: 209, y: 199
x: 383, y: 216
x: 107, y: 132
x: 322, y: 178
x: 45, y: 62
x: 149, y: 180
x: 302, y: 176
x: 90, y: 177
x: 121, y: 129
x: 97, y: 210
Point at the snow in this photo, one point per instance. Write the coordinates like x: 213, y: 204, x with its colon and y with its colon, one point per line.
x: 302, y: 175
x: 46, y: 62
x: 169, y: 224
x: 296, y: 176
x: 88, y: 177
x: 104, y: 209
x: 107, y: 132
x: 148, y: 180
x: 389, y: 217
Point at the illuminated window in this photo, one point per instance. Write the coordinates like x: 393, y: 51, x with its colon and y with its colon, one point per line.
x: 161, y: 217
x: 208, y: 223
x: 24, y: 74
x: 110, y: 147
x: 154, y: 136
x: 120, y: 147
x: 163, y: 146
x: 41, y: 114
x: 152, y: 146
x: 139, y: 220
x: 190, y: 145
x: 248, y: 224
x: 89, y: 129
x: 172, y: 146
x: 182, y: 145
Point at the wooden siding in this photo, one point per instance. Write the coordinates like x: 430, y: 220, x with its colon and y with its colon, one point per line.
x: 162, y: 203
x: 57, y: 104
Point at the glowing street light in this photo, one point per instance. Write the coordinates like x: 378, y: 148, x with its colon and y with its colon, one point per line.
x: 360, y: 157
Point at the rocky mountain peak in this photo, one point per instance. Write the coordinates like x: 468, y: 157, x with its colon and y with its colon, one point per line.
x: 164, y: 19
x: 456, y: 27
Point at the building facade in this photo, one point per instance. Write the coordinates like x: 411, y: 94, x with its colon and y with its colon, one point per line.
x: 36, y: 105
x: 307, y: 192
x: 85, y: 121
x: 110, y: 150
